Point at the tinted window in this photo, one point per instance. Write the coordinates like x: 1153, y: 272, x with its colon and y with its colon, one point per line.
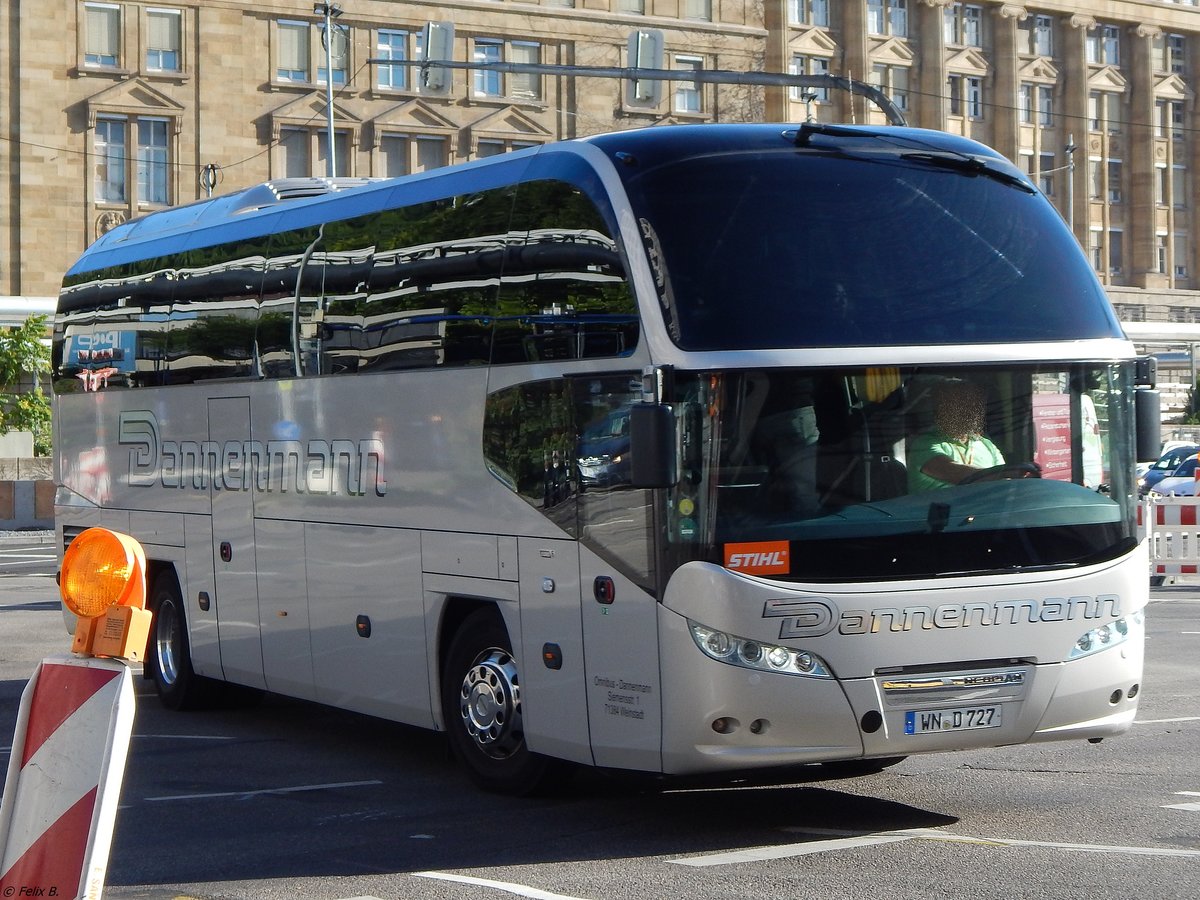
x: 563, y: 445
x: 811, y: 249
x: 564, y: 294
x: 214, y: 311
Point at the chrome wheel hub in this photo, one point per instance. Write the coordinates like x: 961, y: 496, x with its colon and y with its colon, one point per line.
x: 490, y: 704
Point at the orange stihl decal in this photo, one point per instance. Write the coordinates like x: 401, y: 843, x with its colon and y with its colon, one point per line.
x: 759, y: 558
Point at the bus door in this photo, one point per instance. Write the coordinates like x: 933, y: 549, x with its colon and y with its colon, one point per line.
x: 233, y: 548
x: 552, y: 691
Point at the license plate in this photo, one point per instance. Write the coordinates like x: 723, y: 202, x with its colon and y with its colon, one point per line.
x: 925, y: 721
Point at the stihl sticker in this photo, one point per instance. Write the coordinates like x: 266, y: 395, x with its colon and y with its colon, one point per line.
x: 758, y: 558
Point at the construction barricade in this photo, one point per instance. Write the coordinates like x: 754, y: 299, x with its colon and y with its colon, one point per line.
x: 1169, y: 526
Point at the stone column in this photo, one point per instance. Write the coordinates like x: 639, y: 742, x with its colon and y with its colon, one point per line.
x: 931, y: 68
x: 1139, y: 160
x: 1072, y: 35
x: 1005, y: 65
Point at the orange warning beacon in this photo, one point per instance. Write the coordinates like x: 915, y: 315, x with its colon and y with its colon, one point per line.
x: 103, y: 582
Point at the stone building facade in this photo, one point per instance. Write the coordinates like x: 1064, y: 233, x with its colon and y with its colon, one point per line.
x: 113, y: 108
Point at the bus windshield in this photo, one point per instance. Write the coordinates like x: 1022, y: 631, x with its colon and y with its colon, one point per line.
x: 801, y: 248
x: 874, y: 474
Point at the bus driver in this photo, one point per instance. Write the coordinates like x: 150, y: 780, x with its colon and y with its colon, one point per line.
x: 955, y: 449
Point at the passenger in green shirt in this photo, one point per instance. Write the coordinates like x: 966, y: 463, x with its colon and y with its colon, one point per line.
x: 955, y: 447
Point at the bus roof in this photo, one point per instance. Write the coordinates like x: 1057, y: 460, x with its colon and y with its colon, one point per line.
x: 298, y: 202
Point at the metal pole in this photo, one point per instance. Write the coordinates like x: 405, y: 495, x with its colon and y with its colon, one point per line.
x: 329, y: 11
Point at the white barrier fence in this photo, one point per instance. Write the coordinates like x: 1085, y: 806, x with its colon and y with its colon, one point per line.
x: 1169, y: 525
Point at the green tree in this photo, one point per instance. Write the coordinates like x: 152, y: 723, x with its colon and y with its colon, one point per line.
x: 22, y: 354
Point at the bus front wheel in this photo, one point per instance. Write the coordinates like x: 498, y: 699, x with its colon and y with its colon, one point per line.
x: 170, y: 657
x: 481, y: 703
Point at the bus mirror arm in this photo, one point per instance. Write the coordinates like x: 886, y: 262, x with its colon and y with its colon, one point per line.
x: 652, y: 445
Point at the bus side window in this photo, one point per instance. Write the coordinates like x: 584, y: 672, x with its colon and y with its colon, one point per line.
x: 273, y: 334
x: 214, y: 311
x: 427, y: 300
x: 564, y: 293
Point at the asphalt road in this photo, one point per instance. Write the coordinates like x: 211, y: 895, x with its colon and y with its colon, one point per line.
x: 289, y: 799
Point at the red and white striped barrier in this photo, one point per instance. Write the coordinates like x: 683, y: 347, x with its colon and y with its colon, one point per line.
x: 1170, y: 527
x: 64, y: 778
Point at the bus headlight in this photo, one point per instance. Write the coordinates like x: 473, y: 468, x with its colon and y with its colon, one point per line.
x: 1107, y: 636
x: 750, y: 654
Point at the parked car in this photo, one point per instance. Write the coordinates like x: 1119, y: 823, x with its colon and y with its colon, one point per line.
x: 1181, y: 482
x: 1165, y: 466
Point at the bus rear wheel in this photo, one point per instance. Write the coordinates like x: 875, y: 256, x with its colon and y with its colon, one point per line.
x: 481, y: 704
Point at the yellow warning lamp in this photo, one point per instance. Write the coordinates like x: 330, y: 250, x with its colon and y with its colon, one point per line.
x: 103, y: 582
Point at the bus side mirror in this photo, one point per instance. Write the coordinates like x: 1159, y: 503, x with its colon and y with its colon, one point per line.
x: 1147, y: 409
x: 652, y: 445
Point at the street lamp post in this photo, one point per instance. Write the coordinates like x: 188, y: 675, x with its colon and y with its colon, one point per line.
x: 330, y: 11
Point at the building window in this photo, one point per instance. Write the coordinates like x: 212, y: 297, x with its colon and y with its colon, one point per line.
x: 486, y: 147
x: 109, y: 146
x: 1046, y: 174
x: 1181, y: 256
x: 297, y: 152
x: 1162, y: 185
x: 1168, y: 118
x: 963, y: 24
x: 341, y: 158
x: 164, y: 29
x: 888, y: 17
x: 1160, y: 249
x: 293, y: 52
x: 339, y: 54
x: 1115, y: 240
x: 1042, y: 36
x: 809, y: 65
x: 687, y: 93
x: 304, y: 152
x: 809, y: 12
x: 148, y: 170
x: 893, y: 81
x: 633, y: 6
x: 966, y: 96
x: 1176, y: 61
x: 697, y: 9
x: 390, y: 45
x: 519, y: 85
x: 404, y: 154
x: 1104, y: 45
x: 1114, y: 181
x: 1104, y: 111
x: 152, y: 157
x: 102, y: 40
x: 1178, y: 186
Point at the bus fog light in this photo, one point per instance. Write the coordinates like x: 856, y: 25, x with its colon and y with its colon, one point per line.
x: 750, y: 654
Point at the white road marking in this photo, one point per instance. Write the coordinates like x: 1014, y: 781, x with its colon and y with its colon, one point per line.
x: 1166, y: 721
x: 845, y: 840
x: 519, y: 890
x: 786, y: 851
x: 1187, y: 807
x: 264, y: 792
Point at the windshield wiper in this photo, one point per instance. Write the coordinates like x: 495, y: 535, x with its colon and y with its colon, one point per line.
x: 968, y: 165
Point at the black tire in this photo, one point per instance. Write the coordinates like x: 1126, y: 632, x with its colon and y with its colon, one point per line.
x: 169, y: 659
x: 481, y: 703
